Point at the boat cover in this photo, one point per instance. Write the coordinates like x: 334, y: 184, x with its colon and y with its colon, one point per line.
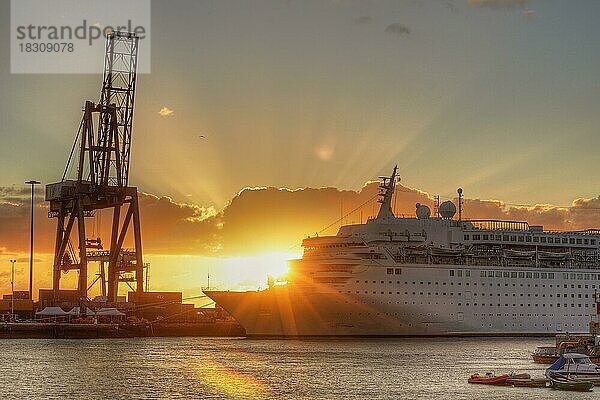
x: 558, y: 364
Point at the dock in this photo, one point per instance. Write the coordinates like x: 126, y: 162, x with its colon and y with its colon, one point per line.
x: 61, y: 330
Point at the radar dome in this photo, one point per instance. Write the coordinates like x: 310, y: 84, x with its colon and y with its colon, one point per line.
x: 447, y: 210
x: 423, y: 212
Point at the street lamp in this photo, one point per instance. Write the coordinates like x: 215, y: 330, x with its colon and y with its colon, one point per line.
x: 12, y: 286
x: 32, y: 183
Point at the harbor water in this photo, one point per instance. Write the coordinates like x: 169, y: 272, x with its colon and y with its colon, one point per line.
x: 238, y: 368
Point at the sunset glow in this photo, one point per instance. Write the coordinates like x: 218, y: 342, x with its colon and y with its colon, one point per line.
x: 312, y: 132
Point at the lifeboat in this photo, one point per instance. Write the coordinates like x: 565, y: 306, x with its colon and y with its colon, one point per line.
x: 519, y: 254
x: 549, y: 255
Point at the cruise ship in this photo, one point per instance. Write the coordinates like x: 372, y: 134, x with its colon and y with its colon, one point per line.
x: 431, y: 275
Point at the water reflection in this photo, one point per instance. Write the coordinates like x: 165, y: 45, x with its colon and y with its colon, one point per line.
x: 232, y: 382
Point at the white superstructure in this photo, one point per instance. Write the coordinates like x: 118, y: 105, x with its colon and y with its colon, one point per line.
x: 429, y: 276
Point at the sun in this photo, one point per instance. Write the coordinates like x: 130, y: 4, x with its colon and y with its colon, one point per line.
x: 256, y: 268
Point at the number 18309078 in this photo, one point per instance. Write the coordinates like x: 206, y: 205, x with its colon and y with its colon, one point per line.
x: 46, y: 47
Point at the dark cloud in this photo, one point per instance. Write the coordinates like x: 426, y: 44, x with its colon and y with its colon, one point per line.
x: 363, y: 19
x: 397, y: 29
x: 169, y: 227
x: 266, y: 219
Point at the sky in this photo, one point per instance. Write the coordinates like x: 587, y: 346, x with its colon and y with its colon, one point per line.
x: 498, y: 97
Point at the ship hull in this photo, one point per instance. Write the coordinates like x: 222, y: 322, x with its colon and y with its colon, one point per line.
x: 424, y: 301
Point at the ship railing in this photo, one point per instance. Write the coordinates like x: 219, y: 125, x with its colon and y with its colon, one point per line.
x: 475, y: 257
x: 494, y: 224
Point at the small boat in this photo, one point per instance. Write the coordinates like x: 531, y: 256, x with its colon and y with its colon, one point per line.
x: 574, y: 366
x: 489, y: 379
x: 514, y: 375
x: 545, y: 355
x: 549, y: 354
x: 526, y: 382
x: 561, y: 382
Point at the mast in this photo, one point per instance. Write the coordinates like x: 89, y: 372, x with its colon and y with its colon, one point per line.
x: 386, y: 192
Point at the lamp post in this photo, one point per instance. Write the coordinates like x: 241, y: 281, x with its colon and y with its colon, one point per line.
x: 32, y: 183
x: 12, y: 286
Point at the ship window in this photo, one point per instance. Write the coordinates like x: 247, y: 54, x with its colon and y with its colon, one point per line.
x: 498, y: 237
x: 467, y: 273
x: 513, y: 274
x: 586, y: 277
x: 527, y: 274
x: 476, y: 237
x: 390, y: 271
x: 544, y: 275
x: 565, y: 240
x: 521, y: 238
x: 521, y: 274
x: 486, y: 237
x: 543, y: 239
x: 513, y: 238
x: 578, y: 241
x: 528, y: 238
x: 550, y: 240
x: 451, y: 272
x: 498, y: 274
x: 482, y: 274
x: 579, y: 276
x: 466, y: 237
x: 536, y: 275
x: 593, y: 241
x: 586, y: 241
x: 572, y: 240
x: 398, y: 271
x: 505, y: 238
x: 506, y: 274
x: 572, y: 276
x: 536, y: 239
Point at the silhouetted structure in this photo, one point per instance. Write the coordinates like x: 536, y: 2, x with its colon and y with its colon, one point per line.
x: 104, y: 143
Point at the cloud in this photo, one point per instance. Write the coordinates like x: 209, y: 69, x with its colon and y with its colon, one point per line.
x: 397, y: 29
x: 169, y: 227
x: 497, y: 3
x: 266, y: 219
x: 451, y: 6
x: 166, y: 112
x: 363, y: 19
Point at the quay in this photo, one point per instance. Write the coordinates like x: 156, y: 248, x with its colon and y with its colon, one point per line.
x: 63, y: 330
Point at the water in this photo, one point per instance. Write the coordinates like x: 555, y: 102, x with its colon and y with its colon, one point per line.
x: 201, y: 368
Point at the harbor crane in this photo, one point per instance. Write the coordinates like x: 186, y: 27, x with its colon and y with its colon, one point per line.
x: 100, y: 155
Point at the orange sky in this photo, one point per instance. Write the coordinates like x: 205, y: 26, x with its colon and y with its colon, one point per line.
x: 183, y: 241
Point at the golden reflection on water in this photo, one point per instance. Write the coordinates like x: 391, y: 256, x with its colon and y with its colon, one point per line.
x: 231, y: 382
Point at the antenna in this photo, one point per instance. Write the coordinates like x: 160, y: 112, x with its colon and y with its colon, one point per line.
x: 460, y: 203
x: 341, y: 211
